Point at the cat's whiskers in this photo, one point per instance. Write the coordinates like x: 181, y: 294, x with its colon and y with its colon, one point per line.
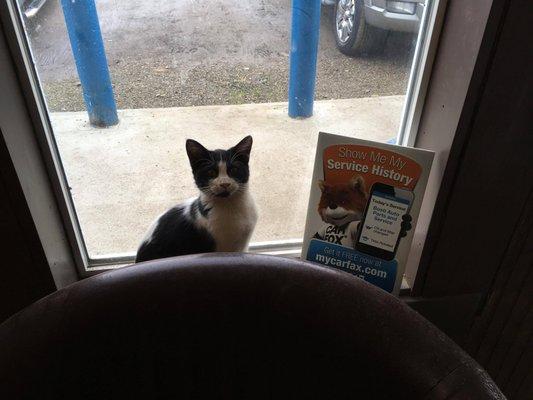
x: 240, y: 189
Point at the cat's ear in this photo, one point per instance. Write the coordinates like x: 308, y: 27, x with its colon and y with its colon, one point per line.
x: 196, y: 151
x: 322, y: 185
x: 243, y: 148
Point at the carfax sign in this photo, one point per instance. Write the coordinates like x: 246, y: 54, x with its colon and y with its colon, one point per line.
x: 363, y: 207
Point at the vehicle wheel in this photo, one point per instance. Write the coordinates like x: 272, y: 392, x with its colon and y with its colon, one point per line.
x: 353, y: 35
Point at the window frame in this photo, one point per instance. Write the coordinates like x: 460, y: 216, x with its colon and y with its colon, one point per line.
x: 70, y: 231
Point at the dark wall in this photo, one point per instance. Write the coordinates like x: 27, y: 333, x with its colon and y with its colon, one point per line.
x: 25, y: 275
x: 476, y: 275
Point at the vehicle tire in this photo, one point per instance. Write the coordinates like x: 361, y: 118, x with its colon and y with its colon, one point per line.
x: 353, y: 35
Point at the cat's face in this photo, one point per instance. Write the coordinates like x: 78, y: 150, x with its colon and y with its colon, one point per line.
x: 220, y: 173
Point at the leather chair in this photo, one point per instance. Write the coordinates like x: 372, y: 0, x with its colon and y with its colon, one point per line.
x: 230, y: 326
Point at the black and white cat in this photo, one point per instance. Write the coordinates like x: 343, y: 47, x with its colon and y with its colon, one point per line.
x: 221, y: 218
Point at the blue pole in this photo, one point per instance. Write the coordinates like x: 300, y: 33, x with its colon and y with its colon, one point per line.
x: 88, y: 49
x: 304, y: 48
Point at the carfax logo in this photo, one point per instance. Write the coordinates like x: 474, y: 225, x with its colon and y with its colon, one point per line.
x: 374, y: 270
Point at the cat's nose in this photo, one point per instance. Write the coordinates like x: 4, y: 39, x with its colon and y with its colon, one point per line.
x: 333, y: 206
x: 225, y: 185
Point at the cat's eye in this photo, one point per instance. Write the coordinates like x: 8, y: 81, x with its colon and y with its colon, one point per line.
x: 212, y: 173
x: 233, y: 170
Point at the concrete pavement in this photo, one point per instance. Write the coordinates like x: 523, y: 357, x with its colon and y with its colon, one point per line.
x: 123, y: 177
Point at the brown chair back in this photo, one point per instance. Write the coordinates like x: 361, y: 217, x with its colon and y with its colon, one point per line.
x: 230, y: 326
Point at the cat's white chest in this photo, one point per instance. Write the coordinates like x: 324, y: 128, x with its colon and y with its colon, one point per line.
x: 231, y: 223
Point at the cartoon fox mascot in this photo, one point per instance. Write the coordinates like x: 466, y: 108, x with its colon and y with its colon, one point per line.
x: 341, y: 207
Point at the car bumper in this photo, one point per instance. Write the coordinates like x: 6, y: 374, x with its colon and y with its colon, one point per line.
x: 376, y: 14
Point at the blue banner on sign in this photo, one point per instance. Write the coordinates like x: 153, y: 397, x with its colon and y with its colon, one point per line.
x: 374, y: 270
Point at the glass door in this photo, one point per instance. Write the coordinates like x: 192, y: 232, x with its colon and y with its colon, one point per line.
x: 214, y: 72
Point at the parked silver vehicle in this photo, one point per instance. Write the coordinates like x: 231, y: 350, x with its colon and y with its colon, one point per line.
x: 361, y: 26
